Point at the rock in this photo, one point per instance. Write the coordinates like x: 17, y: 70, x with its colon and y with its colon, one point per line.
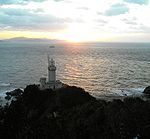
x: 8, y: 97
x: 8, y: 93
x: 147, y: 90
x: 15, y: 93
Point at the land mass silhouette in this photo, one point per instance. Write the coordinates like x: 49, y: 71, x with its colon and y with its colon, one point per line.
x: 72, y: 113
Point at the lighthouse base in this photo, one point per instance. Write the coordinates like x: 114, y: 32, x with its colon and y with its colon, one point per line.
x: 50, y: 85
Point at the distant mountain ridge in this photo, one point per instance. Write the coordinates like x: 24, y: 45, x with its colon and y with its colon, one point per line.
x: 25, y: 39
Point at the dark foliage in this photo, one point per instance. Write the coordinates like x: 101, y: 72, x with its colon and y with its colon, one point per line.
x: 71, y: 113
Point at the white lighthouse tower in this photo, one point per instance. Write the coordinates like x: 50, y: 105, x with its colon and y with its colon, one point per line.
x: 51, y: 83
x: 51, y: 71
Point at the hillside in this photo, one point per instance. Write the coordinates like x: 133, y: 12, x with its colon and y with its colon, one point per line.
x: 71, y: 113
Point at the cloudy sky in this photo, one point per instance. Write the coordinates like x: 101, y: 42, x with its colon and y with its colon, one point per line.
x: 76, y: 20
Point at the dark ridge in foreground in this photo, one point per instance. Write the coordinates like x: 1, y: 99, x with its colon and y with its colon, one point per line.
x: 71, y: 113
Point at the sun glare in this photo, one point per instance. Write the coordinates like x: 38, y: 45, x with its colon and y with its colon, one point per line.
x: 77, y: 33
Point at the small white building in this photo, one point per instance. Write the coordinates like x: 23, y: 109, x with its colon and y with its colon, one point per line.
x: 52, y: 83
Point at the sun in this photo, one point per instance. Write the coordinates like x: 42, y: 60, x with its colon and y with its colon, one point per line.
x: 77, y: 33
x: 83, y: 32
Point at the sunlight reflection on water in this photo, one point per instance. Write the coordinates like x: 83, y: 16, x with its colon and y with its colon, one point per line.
x: 97, y: 69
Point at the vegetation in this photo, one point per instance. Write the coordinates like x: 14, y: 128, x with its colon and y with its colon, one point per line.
x: 71, y: 113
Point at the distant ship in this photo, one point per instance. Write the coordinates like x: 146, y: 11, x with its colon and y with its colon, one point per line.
x: 52, y: 46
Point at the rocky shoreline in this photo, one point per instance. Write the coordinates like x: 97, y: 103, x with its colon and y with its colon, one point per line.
x: 72, y: 113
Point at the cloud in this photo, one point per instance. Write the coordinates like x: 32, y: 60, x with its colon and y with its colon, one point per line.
x: 140, y: 28
x: 130, y: 21
x: 83, y: 8
x: 141, y: 2
x: 116, y: 9
x: 58, y: 0
x: 15, y: 12
x: 144, y: 28
x: 9, y: 2
x: 100, y: 22
x: 22, y: 19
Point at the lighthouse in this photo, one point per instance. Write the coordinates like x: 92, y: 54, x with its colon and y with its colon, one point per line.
x: 51, y: 82
x: 51, y: 70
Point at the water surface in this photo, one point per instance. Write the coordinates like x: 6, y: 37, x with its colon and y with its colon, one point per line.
x: 106, y: 68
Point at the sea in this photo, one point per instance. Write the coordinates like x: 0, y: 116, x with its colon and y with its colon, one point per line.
x: 102, y: 69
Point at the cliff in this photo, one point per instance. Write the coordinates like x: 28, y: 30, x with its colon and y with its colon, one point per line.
x: 71, y: 113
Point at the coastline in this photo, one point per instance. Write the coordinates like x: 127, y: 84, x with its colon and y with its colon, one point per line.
x: 106, y: 97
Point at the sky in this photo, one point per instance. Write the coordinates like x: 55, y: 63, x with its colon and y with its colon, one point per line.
x: 76, y: 20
